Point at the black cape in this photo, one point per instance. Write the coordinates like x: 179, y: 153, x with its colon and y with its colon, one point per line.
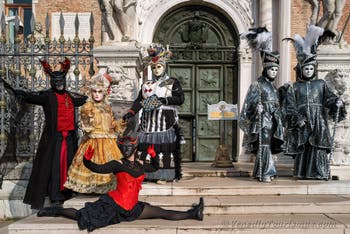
x: 44, y: 179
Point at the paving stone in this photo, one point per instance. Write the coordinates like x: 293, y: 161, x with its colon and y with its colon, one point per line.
x: 276, y: 223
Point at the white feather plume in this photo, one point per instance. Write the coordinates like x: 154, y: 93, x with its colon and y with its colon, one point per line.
x: 258, y: 40
x: 304, y: 45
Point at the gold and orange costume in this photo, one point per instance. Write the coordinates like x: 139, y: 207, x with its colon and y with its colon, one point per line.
x: 100, y: 131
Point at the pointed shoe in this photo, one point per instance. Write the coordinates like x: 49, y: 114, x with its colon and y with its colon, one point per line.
x: 48, y: 211
x: 197, y: 210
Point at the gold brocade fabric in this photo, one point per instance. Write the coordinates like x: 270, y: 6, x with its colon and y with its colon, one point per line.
x: 100, y: 129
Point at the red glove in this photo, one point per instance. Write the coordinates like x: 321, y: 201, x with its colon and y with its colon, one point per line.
x: 89, y: 153
x: 150, y: 151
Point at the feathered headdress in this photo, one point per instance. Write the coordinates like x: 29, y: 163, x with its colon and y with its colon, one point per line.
x: 101, y: 81
x: 261, y: 39
x: 306, y: 48
x: 157, y: 54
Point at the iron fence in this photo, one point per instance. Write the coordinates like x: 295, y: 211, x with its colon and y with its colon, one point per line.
x: 20, y: 68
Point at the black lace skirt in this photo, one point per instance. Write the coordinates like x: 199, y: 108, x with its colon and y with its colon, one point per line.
x: 104, y: 212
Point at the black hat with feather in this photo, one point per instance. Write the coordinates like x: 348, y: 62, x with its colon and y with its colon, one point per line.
x: 261, y: 39
x: 306, y: 47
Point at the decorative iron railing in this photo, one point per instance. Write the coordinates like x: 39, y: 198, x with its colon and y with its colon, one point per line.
x: 21, y: 125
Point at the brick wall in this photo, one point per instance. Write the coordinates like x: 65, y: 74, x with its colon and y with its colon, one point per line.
x: 301, y: 12
x: 49, y: 6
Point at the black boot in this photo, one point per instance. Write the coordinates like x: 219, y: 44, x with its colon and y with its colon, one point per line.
x: 197, y: 211
x: 49, y: 211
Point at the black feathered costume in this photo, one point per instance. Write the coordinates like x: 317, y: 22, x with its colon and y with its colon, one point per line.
x: 266, y: 139
x: 309, y: 140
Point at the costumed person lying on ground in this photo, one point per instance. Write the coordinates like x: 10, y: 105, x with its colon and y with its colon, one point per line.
x: 121, y: 204
x: 307, y: 100
x: 261, y: 119
x: 58, y: 142
x: 100, y: 131
x: 158, y: 99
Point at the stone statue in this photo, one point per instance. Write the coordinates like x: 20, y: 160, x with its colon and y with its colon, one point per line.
x: 118, y: 17
x: 315, y: 8
x: 38, y: 33
x: 125, y: 15
x: 338, y: 81
x: 122, y: 85
x: 109, y: 26
x: 332, y: 12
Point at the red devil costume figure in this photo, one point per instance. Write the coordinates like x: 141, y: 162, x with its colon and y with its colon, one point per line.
x: 58, y: 141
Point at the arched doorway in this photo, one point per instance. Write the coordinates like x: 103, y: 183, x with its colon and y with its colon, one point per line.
x: 205, y: 60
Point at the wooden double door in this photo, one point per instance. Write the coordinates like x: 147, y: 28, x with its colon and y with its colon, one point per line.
x: 204, y: 60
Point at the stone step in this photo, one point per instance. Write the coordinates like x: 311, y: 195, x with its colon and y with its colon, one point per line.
x: 238, y: 224
x: 262, y: 204
x: 245, y: 169
x: 205, y: 169
x: 226, y: 186
x: 201, y: 180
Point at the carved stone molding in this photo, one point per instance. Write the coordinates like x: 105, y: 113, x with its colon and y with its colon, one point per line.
x: 245, y: 52
x: 149, y: 12
x: 244, y: 7
x: 123, y: 63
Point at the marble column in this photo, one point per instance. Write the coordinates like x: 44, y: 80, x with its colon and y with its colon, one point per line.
x: 246, y: 68
x: 284, y: 46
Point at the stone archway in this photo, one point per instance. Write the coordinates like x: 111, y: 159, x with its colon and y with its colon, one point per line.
x: 237, y: 13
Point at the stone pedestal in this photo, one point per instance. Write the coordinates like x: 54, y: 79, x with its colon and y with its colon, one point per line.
x: 334, y: 67
x: 124, y: 63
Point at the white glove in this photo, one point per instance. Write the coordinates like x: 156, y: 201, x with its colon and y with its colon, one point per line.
x: 339, y: 103
x: 260, y: 108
